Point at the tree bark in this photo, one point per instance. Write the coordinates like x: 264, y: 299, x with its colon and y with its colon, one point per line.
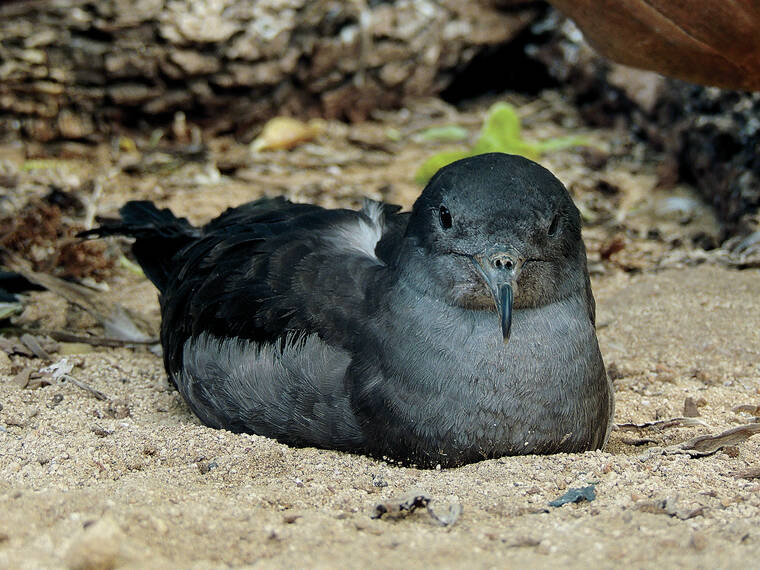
x: 71, y: 69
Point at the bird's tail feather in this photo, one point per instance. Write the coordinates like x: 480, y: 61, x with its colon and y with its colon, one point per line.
x: 158, y: 234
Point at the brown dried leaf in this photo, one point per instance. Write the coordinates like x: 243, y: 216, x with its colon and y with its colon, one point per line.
x: 690, y: 409
x: 22, y: 378
x: 747, y: 409
x: 283, y: 133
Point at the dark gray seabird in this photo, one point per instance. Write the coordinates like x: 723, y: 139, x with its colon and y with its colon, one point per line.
x: 460, y: 331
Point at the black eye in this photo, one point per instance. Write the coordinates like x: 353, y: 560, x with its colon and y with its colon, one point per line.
x: 553, y: 226
x: 445, y: 217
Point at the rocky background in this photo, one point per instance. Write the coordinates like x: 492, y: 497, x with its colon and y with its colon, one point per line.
x: 78, y: 70
x: 75, y: 69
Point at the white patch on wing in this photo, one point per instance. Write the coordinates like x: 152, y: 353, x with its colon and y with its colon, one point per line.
x: 362, y: 234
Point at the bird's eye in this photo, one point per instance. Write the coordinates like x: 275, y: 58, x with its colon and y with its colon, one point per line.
x: 553, y: 226
x: 445, y: 217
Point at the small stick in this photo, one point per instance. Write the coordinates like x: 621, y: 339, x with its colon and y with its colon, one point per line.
x: 92, y: 205
x: 63, y: 336
x: 31, y: 343
x: 97, y: 394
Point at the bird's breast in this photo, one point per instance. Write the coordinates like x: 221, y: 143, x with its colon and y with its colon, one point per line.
x: 454, y: 387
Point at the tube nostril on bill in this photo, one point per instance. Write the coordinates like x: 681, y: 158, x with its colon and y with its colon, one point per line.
x: 502, y: 261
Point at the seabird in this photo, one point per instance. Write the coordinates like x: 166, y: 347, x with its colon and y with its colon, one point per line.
x: 460, y: 331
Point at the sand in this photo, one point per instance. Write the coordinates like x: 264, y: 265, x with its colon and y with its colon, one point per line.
x: 139, y: 477
x: 136, y: 482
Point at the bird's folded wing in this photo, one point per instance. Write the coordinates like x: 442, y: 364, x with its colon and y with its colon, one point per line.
x: 273, y: 268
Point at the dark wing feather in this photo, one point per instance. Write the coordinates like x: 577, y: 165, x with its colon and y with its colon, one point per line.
x: 393, y: 233
x: 273, y: 268
x: 159, y: 236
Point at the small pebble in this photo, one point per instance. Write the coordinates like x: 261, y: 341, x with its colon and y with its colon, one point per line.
x: 698, y: 541
x: 101, y: 546
x: 690, y: 409
x: 204, y: 467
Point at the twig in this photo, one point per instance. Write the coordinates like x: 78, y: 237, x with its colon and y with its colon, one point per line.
x: 31, y: 343
x: 112, y: 316
x: 62, y: 336
x: 92, y: 205
x: 97, y: 394
x: 662, y: 424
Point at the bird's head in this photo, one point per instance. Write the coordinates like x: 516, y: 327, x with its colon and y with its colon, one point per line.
x: 497, y: 231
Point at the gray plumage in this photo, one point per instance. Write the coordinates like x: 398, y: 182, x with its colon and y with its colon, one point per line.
x: 386, y: 333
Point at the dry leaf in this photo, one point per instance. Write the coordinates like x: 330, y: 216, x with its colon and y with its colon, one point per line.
x: 283, y: 133
x: 747, y: 409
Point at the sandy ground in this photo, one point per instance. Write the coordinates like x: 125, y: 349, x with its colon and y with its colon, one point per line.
x: 135, y: 481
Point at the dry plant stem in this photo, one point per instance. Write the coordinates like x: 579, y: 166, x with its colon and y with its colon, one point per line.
x: 62, y: 336
x: 662, y: 424
x: 97, y: 394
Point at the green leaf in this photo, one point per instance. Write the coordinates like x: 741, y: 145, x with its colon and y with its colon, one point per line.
x: 446, y: 133
x: 501, y: 132
x: 501, y: 129
x: 562, y: 143
x: 438, y: 161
